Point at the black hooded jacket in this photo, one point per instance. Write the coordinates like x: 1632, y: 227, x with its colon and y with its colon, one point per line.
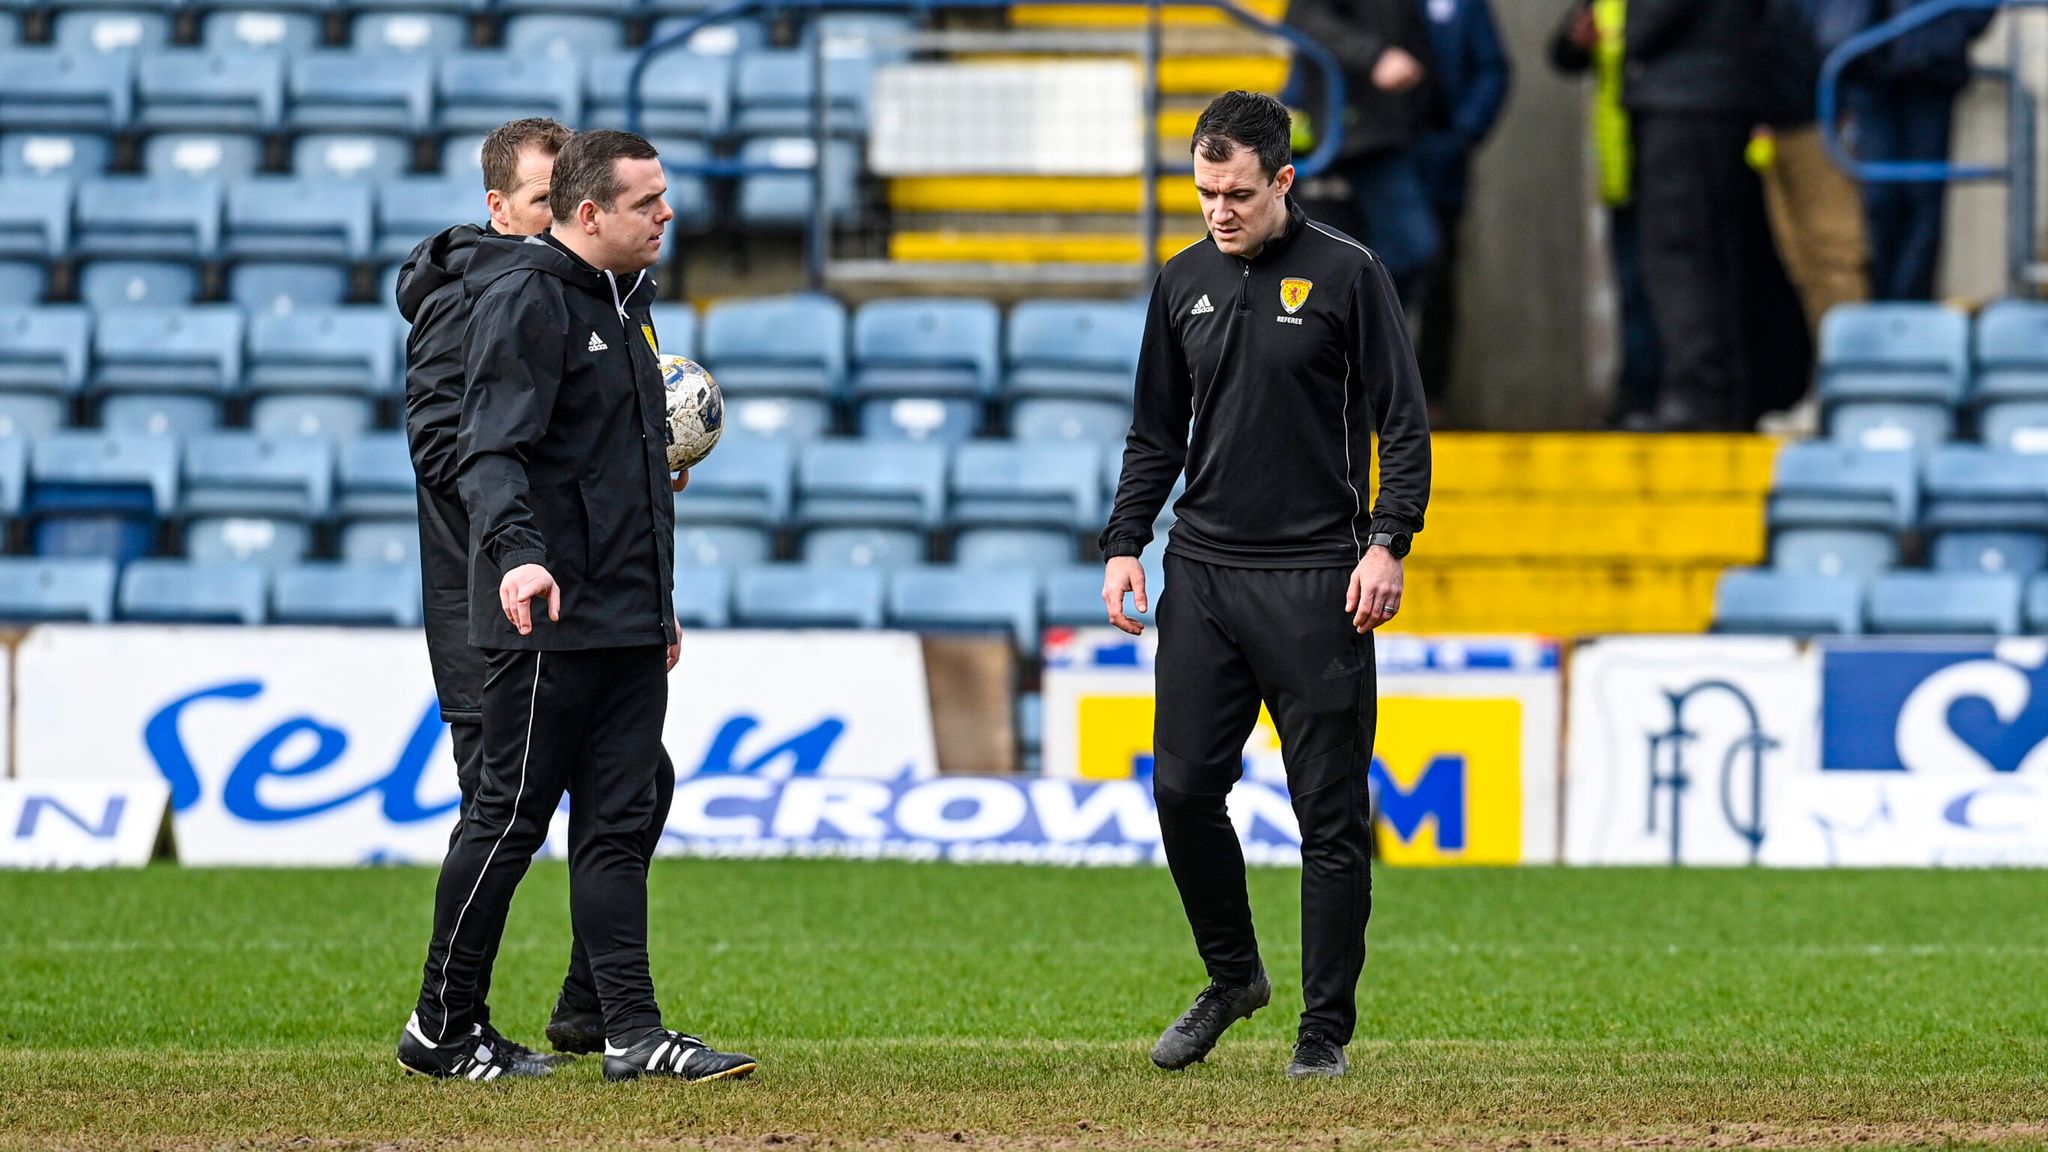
x: 431, y: 298
x: 562, y: 448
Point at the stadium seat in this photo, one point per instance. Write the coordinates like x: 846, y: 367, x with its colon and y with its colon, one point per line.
x: 1913, y: 356
x: 1946, y: 603
x: 197, y: 350
x: 33, y: 590
x: 796, y: 596
x: 136, y: 217
x: 922, y: 367
x: 105, y: 285
x: 1064, y: 348
x: 682, y: 94
x: 723, y: 546
x: 352, y: 349
x: 178, y: 592
x: 292, y: 414
x: 99, y: 494
x: 777, y: 346
x: 1752, y: 600
x: 45, y: 349
x: 280, y: 218
x: 773, y: 93
x: 13, y: 475
x: 781, y: 199
x: 2018, y: 553
x: 863, y: 547
x: 110, y: 29
x: 1027, y: 485
x: 29, y: 416
x: 745, y: 482
x: 202, y: 155
x: 1104, y: 423
x: 675, y: 329
x: 379, y: 92
x: 873, y: 485
x: 920, y: 419
x: 176, y: 414
x: 451, y: 7
x: 409, y: 211
x: 374, y: 542
x: 244, y: 474
x: 60, y: 90
x: 703, y: 597
x: 462, y: 157
x: 428, y: 33
x: 2015, y: 425
x: 194, y: 89
x: 341, y: 156
x: 728, y: 37
x: 72, y: 154
x: 37, y: 223
x: 881, y: 37
x: 562, y: 36
x: 375, y: 596
x: 1831, y: 485
x: 937, y: 599
x: 2011, y: 353
x: 283, y: 286
x: 478, y: 91
x: 1971, y: 487
x: 1834, y: 551
x: 241, y: 30
x: 23, y: 283
x: 2036, y: 606
x: 377, y: 480
x: 1027, y: 549
x: 1073, y: 597
x: 1890, y: 426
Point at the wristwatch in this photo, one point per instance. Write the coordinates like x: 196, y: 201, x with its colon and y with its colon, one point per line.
x: 1397, y: 544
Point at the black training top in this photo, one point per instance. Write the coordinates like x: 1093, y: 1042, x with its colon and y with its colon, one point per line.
x: 1287, y: 365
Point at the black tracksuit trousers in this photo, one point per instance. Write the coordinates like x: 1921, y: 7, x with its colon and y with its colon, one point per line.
x: 1229, y: 639
x: 588, y: 723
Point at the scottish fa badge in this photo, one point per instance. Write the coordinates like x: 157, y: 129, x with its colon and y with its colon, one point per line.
x: 1294, y: 293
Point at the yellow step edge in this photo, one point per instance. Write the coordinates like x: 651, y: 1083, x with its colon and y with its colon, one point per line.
x: 1719, y: 530
x: 1185, y: 75
x: 1132, y: 16
x: 1557, y: 599
x: 1038, y: 194
x: 1027, y: 247
x: 1493, y: 464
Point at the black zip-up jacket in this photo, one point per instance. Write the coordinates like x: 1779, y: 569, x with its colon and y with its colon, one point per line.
x: 1284, y: 403
x: 432, y: 300
x: 563, y: 456
x: 1698, y: 57
x: 1357, y: 33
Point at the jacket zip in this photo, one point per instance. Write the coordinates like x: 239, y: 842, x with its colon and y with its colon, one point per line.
x: 1244, y: 286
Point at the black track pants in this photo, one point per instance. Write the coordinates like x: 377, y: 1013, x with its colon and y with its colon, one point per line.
x: 588, y: 723
x: 1229, y: 639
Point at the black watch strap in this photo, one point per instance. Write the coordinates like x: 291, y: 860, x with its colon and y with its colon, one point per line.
x: 1396, y: 543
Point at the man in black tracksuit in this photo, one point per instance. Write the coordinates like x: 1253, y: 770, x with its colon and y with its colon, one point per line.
x: 1285, y: 345
x: 564, y: 476
x: 518, y: 163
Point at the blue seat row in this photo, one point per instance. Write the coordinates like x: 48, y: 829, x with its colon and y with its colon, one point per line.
x: 178, y: 591
x: 1840, y: 510
x: 1911, y: 376
x: 1897, y: 603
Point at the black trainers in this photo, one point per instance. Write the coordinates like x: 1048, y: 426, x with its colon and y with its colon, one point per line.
x: 1316, y: 1055
x: 466, y: 1059
x: 579, y: 1030
x: 666, y: 1053
x: 1219, y: 1006
x: 500, y: 1043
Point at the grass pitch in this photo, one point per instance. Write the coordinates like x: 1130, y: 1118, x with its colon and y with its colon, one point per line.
x: 1010, y: 1008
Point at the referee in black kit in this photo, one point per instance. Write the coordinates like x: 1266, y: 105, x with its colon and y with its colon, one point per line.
x: 1284, y: 346
x: 564, y: 476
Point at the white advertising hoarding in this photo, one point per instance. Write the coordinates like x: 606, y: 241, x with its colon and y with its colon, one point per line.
x: 79, y: 824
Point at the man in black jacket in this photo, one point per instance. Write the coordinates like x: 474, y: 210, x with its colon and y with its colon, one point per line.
x: 564, y: 475
x: 518, y: 165
x: 1284, y: 344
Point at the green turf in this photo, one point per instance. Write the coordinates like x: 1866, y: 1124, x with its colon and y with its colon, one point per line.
x: 1013, y: 1007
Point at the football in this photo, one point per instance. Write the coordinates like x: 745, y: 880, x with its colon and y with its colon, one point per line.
x: 696, y: 411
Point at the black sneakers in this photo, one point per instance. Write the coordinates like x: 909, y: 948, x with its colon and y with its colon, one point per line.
x: 469, y: 1058
x: 1214, y: 1011
x: 665, y: 1053
x: 498, y: 1042
x: 1316, y: 1055
x: 577, y: 1030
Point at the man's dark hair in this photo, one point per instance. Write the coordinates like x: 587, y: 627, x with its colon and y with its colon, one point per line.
x: 588, y: 169
x: 502, y: 148
x: 1251, y: 120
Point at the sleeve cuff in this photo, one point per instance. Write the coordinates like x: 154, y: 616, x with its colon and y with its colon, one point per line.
x: 1111, y: 549
x: 1385, y: 522
x: 519, y: 556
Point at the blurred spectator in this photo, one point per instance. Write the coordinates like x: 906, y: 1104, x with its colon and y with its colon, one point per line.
x: 1816, y: 215
x: 1901, y: 99
x: 1591, y: 38
x: 1473, y: 71
x: 1693, y: 86
x: 1394, y: 94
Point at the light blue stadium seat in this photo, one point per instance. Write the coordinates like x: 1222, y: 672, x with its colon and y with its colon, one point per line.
x: 178, y: 592
x: 703, y: 597
x: 722, y: 546
x: 269, y: 541
x: 745, y: 482
x: 944, y: 599
x: 1946, y: 603
x: 462, y: 157
x: 292, y: 414
x: 1026, y: 549
x: 773, y: 91
x: 176, y: 414
x: 1758, y: 600
x: 863, y: 547
x: 105, y: 285
x: 2017, y: 553
x: 60, y: 90
x: 23, y: 283
x: 1100, y: 422
x: 683, y: 94
x: 347, y: 156
x: 409, y: 211
x: 1891, y: 426
x: 37, y: 223
x: 283, y: 286
x: 13, y: 475
x: 192, y: 89
x: 45, y: 349
x: 1073, y: 348
x: 247, y: 30
x: 281, y: 218
x: 782, y: 199
x: 724, y: 38
x: 429, y: 33
x: 34, y: 590
x: 110, y: 29
x: 136, y: 217
x: 1830, y: 485
x: 381, y: 542
x: 2036, y: 606
x: 386, y: 596
x: 1968, y: 486
x: 876, y: 485
x: 380, y: 92
x: 926, y: 347
x: 881, y: 37
x: 2012, y: 353
x: 791, y: 418
x: 777, y: 346
x: 29, y: 415
x: 675, y: 329
x: 456, y: 7
x: 1834, y: 551
x: 351, y: 349
x: 920, y: 419
x: 477, y: 91
x: 1027, y: 485
x: 798, y: 596
x: 71, y: 154
x: 246, y: 474
x: 562, y: 36
x: 99, y: 494
x: 2015, y: 425
x: 202, y: 155
x: 1899, y: 355
x: 1073, y: 597
x: 10, y: 30
x: 197, y: 350
x: 377, y: 480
